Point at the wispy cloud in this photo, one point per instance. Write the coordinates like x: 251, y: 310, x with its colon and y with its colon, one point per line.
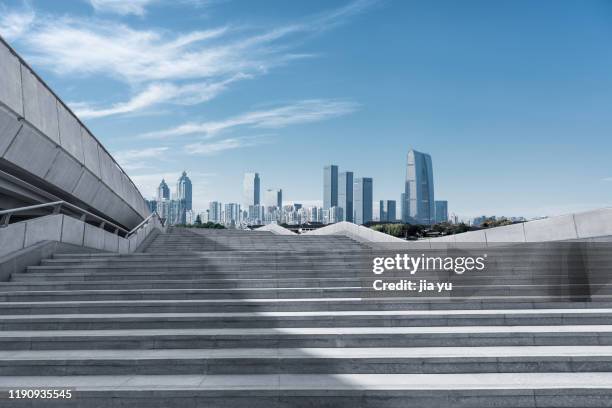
x: 138, y: 159
x: 157, y: 93
x: 122, y: 7
x: 195, y: 65
x: 14, y: 23
x: 212, y: 148
x: 607, y: 179
x: 306, y: 111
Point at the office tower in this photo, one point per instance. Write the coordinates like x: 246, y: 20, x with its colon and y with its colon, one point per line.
x: 214, y: 212
x: 184, y: 191
x: 419, y: 188
x: 387, y: 211
x: 441, y: 211
x: 330, y: 186
x: 334, y: 214
x: 232, y: 213
x: 362, y: 200
x: 273, y: 197
x: 163, y: 191
x: 152, y: 205
x: 250, y: 189
x: 345, y: 195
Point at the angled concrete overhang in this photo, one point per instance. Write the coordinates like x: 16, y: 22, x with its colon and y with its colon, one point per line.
x: 43, y: 144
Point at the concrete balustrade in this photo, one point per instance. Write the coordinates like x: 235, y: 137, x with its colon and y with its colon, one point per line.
x: 43, y: 143
x: 586, y: 225
x: 68, y: 230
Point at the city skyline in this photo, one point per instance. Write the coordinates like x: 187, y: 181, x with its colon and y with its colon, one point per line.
x: 350, y: 82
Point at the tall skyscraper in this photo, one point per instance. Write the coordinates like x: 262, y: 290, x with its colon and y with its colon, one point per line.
x: 441, y: 211
x: 363, y: 200
x: 419, y: 188
x: 163, y: 191
x: 273, y: 197
x: 184, y: 191
x: 250, y: 189
x: 387, y: 211
x: 330, y: 186
x: 345, y: 195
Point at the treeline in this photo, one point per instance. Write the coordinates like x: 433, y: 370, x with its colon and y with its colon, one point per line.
x: 415, y: 231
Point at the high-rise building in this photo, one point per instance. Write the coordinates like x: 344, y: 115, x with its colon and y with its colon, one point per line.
x: 419, y: 188
x: 184, y: 191
x: 214, y: 212
x: 441, y: 211
x: 273, y: 197
x: 387, y: 211
x: 363, y: 200
x: 330, y: 186
x: 232, y: 214
x: 163, y: 191
x: 250, y: 190
x: 345, y: 195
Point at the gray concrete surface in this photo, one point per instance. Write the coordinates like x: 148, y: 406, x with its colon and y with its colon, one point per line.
x: 251, y: 318
x: 67, y: 160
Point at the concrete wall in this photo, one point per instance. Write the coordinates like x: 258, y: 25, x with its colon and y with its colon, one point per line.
x: 591, y: 225
x: 68, y: 230
x: 586, y: 225
x: 43, y: 143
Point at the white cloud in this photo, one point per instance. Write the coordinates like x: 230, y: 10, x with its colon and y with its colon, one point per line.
x: 138, y: 159
x: 157, y: 93
x: 306, y: 111
x: 196, y: 65
x: 607, y: 179
x: 122, y: 7
x: 212, y: 148
x: 14, y: 23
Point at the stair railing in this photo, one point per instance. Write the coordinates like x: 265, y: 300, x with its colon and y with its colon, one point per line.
x: 58, y: 207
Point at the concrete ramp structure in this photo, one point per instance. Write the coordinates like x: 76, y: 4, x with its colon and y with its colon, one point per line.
x: 276, y: 229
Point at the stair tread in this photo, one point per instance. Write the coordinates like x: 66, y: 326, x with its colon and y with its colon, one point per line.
x: 484, y: 381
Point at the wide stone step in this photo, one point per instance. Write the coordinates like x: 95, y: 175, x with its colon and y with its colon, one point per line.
x: 222, y: 283
x: 342, y: 337
x: 485, y: 390
x: 506, y: 289
x: 417, y: 360
x: 409, y: 318
x: 298, y: 305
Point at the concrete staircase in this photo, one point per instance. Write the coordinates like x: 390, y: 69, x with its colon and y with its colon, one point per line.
x: 218, y: 318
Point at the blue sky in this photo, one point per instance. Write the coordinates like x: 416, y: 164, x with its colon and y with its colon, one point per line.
x: 511, y: 98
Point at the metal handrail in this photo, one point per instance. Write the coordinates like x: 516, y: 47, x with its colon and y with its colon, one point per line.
x: 142, y: 223
x: 5, y: 215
